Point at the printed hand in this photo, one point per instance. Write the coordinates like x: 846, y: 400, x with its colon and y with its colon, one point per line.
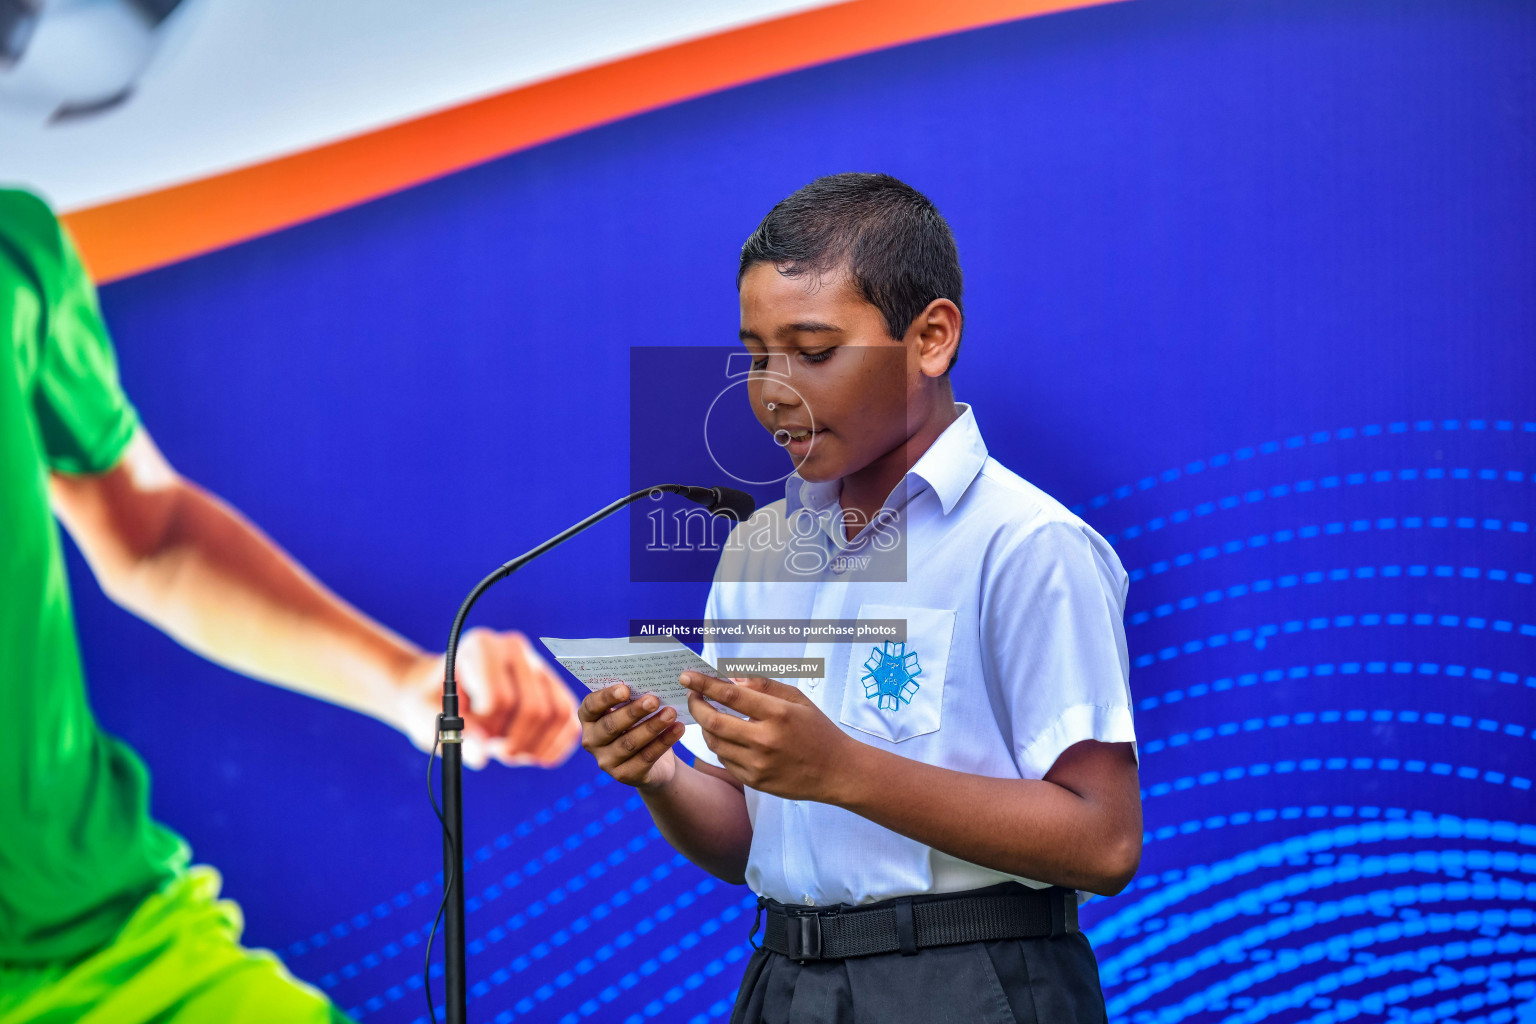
x: 636, y: 755
x: 515, y: 709
x: 789, y: 748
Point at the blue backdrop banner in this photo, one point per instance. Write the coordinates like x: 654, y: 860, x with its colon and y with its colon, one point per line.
x: 1248, y: 285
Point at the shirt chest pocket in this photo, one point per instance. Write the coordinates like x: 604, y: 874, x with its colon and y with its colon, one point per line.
x: 895, y: 690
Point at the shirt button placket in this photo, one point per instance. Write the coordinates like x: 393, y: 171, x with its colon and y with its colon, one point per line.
x: 826, y: 603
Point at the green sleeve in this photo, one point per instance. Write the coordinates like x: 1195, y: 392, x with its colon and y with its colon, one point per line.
x: 84, y: 418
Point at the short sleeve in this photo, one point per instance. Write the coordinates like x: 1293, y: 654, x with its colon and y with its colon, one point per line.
x: 84, y: 418
x: 1054, y: 642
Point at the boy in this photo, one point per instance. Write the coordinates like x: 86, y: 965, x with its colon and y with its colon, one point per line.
x: 101, y: 919
x: 915, y: 823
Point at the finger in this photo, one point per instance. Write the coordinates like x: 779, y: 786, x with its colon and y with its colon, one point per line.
x: 733, y: 759
x: 473, y: 752
x: 564, y: 741
x: 618, y: 721
x: 637, y: 739
x: 507, y: 736
x: 501, y: 749
x: 716, y: 723
x: 559, y: 729
x: 494, y: 688
x: 733, y: 755
x: 469, y: 669
x: 599, y: 702
x: 524, y: 730
x: 474, y: 734
x: 420, y: 725
x: 665, y: 741
x: 774, y: 688
x: 750, y: 702
x: 634, y: 770
x: 562, y: 730
x: 517, y: 673
x: 524, y: 666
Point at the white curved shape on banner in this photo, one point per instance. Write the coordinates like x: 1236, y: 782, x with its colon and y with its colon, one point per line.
x: 249, y: 80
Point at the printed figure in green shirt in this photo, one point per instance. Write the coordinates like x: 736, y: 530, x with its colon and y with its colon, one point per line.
x: 101, y: 919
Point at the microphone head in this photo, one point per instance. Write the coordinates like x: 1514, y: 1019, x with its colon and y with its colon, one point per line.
x: 734, y: 504
x: 721, y: 501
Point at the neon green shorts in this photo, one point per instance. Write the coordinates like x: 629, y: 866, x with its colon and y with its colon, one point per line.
x: 178, y: 960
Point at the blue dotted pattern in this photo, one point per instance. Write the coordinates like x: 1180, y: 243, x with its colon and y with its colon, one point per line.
x: 1337, y: 575
x: 1334, y: 529
x: 631, y: 981
x: 432, y: 887
x: 1366, y: 666
x: 1260, y: 635
x: 1310, y: 712
x: 1327, y: 483
x: 1291, y: 444
x: 1325, y: 669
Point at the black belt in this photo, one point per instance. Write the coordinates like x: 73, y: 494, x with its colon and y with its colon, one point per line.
x: 910, y: 923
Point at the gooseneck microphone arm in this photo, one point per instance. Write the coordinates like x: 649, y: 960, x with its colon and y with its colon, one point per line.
x: 450, y: 734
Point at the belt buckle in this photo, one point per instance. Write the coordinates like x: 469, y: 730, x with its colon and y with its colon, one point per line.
x: 804, y: 937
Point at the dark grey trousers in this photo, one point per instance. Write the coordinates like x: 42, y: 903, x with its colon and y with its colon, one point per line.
x: 1009, y: 981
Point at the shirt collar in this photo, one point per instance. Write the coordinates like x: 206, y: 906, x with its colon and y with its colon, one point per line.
x: 802, y: 494
x: 948, y: 466
x: 953, y: 460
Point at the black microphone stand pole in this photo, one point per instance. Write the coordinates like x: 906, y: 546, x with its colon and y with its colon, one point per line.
x: 450, y: 732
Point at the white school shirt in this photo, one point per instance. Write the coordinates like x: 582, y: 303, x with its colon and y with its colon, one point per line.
x: 1013, y: 608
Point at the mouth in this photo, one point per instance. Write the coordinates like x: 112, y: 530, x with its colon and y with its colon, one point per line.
x: 797, y: 440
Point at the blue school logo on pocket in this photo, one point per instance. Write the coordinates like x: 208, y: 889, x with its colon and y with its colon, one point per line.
x: 890, y: 674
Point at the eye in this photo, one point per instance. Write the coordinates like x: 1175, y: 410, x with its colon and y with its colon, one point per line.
x: 760, y: 363
x: 818, y: 357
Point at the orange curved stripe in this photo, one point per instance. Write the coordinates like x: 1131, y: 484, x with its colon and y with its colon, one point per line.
x: 136, y: 234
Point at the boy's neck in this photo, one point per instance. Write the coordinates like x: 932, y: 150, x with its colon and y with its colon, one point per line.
x: 867, y: 489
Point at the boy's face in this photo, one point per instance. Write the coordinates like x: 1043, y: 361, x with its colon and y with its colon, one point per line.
x: 837, y: 382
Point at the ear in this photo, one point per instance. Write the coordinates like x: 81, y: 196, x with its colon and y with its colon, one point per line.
x: 937, y: 333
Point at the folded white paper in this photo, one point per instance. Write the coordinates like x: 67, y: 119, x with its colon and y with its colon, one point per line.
x: 644, y: 664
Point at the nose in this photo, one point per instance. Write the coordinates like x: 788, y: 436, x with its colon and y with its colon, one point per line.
x: 774, y: 392
x: 772, y: 380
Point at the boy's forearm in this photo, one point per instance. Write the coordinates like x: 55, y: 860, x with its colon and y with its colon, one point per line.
x: 1078, y: 827
x: 1032, y: 828
x: 705, y: 819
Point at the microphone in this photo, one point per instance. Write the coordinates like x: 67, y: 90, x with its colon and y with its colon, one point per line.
x: 720, y: 501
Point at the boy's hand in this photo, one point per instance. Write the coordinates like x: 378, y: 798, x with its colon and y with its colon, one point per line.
x: 789, y: 748
x: 636, y: 755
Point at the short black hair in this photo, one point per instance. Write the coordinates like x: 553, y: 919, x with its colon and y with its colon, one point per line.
x: 896, y: 246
